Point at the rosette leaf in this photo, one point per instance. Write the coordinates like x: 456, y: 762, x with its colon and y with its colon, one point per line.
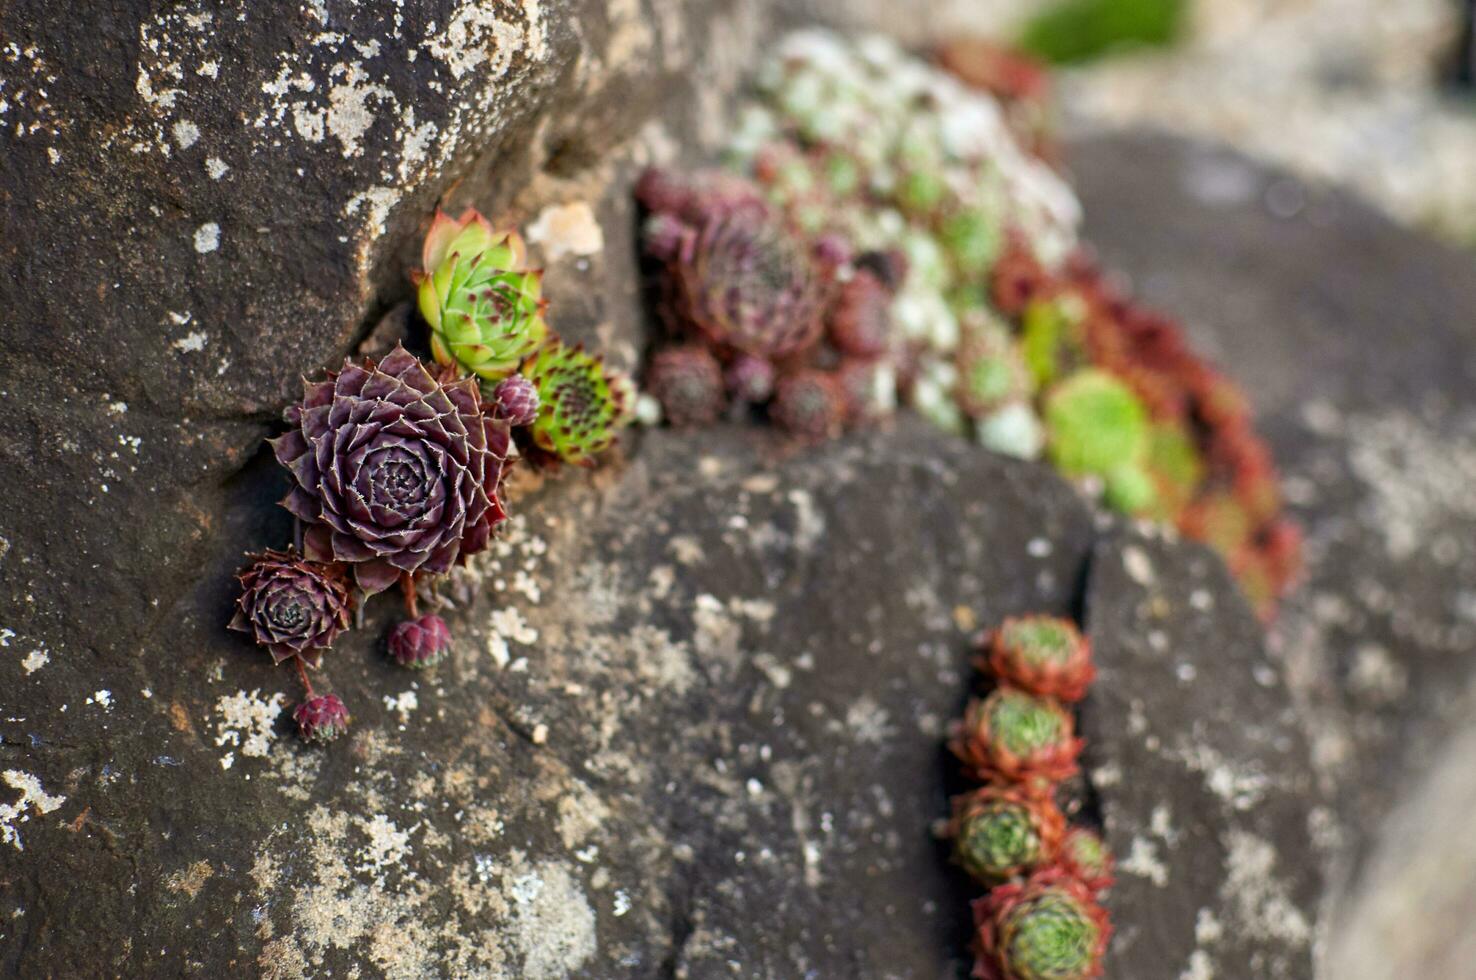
x: 290, y: 606
x: 395, y: 473
x: 1002, y: 831
x: 583, y: 402
x: 420, y: 643
x: 483, y: 305
x: 1085, y: 856
x: 1043, y: 655
x: 1017, y: 737
x: 321, y: 718
x: 1046, y: 928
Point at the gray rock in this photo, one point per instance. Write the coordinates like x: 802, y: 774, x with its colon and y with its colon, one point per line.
x: 1357, y: 341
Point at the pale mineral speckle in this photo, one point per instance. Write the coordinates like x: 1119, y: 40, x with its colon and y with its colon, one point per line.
x: 207, y: 237
x: 567, y: 229
x: 215, y: 167
x: 1200, y: 967
x: 402, y: 704
x: 246, y: 721
x: 869, y: 721
x: 103, y: 699
x: 33, y: 798
x: 1138, y: 565
x: 35, y: 660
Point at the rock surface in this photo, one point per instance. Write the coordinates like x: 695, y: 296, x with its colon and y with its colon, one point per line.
x: 693, y: 726
x: 1357, y: 341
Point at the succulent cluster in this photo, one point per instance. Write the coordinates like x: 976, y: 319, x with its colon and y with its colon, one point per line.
x: 1041, y: 918
x: 397, y: 465
x: 890, y: 235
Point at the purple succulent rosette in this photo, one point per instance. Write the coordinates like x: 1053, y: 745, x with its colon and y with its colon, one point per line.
x: 395, y: 471
x: 321, y: 718
x: 292, y: 607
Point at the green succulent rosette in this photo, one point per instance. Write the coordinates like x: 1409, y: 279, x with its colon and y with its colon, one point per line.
x: 583, y: 403
x: 484, y: 306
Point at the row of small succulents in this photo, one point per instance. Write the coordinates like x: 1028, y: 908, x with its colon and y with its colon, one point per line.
x: 879, y: 237
x: 397, y: 466
x: 1041, y: 918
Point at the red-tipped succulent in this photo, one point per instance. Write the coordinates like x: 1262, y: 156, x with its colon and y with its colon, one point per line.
x: 1049, y: 927
x: 321, y: 718
x: 1018, y: 737
x: 1085, y: 856
x: 1000, y: 832
x: 291, y: 606
x: 809, y: 404
x: 395, y: 472
x: 860, y: 322
x: 688, y: 382
x: 1044, y: 655
x: 422, y: 642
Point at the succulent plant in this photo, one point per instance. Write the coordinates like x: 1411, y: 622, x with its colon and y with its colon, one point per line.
x: 742, y: 280
x: 484, y: 306
x: 1043, y: 655
x: 1002, y: 831
x: 809, y: 404
x: 991, y: 372
x: 1018, y: 737
x: 1096, y: 424
x: 292, y: 607
x: 1017, y: 278
x: 1085, y: 856
x: 584, y: 402
x: 1048, y: 927
x: 515, y: 401
x: 688, y: 381
x: 321, y: 718
x: 860, y: 323
x: 394, y: 471
x: 422, y: 642
x: 749, y: 379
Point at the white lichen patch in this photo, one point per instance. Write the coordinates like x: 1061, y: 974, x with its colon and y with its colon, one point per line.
x: 387, y: 844
x: 1241, y: 785
x: 1257, y: 895
x: 869, y: 722
x: 553, y: 924
x: 581, y: 813
x: 1142, y: 860
x: 567, y: 229
x: 33, y: 798
x: 246, y: 721
x: 402, y: 704
x: 1417, y: 479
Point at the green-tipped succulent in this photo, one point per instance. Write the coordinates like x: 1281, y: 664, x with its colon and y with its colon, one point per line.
x: 1047, y: 928
x: 1096, y: 423
x: 484, y: 306
x: 1043, y: 655
x: 583, y: 403
x: 1086, y: 857
x: 1002, y: 831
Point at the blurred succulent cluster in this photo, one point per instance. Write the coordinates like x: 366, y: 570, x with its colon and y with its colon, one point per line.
x: 397, y: 465
x: 1040, y: 918
x: 885, y: 235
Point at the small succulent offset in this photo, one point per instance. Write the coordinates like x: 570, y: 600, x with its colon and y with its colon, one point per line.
x: 1044, y: 655
x: 515, y: 401
x: 1000, y: 832
x: 321, y: 718
x: 1016, y: 736
x: 396, y: 473
x: 484, y: 306
x: 1049, y: 927
x: 688, y: 382
x: 291, y: 606
x: 1086, y: 857
x: 420, y: 643
x: 584, y: 403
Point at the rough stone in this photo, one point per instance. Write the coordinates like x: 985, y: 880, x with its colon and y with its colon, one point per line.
x: 695, y: 714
